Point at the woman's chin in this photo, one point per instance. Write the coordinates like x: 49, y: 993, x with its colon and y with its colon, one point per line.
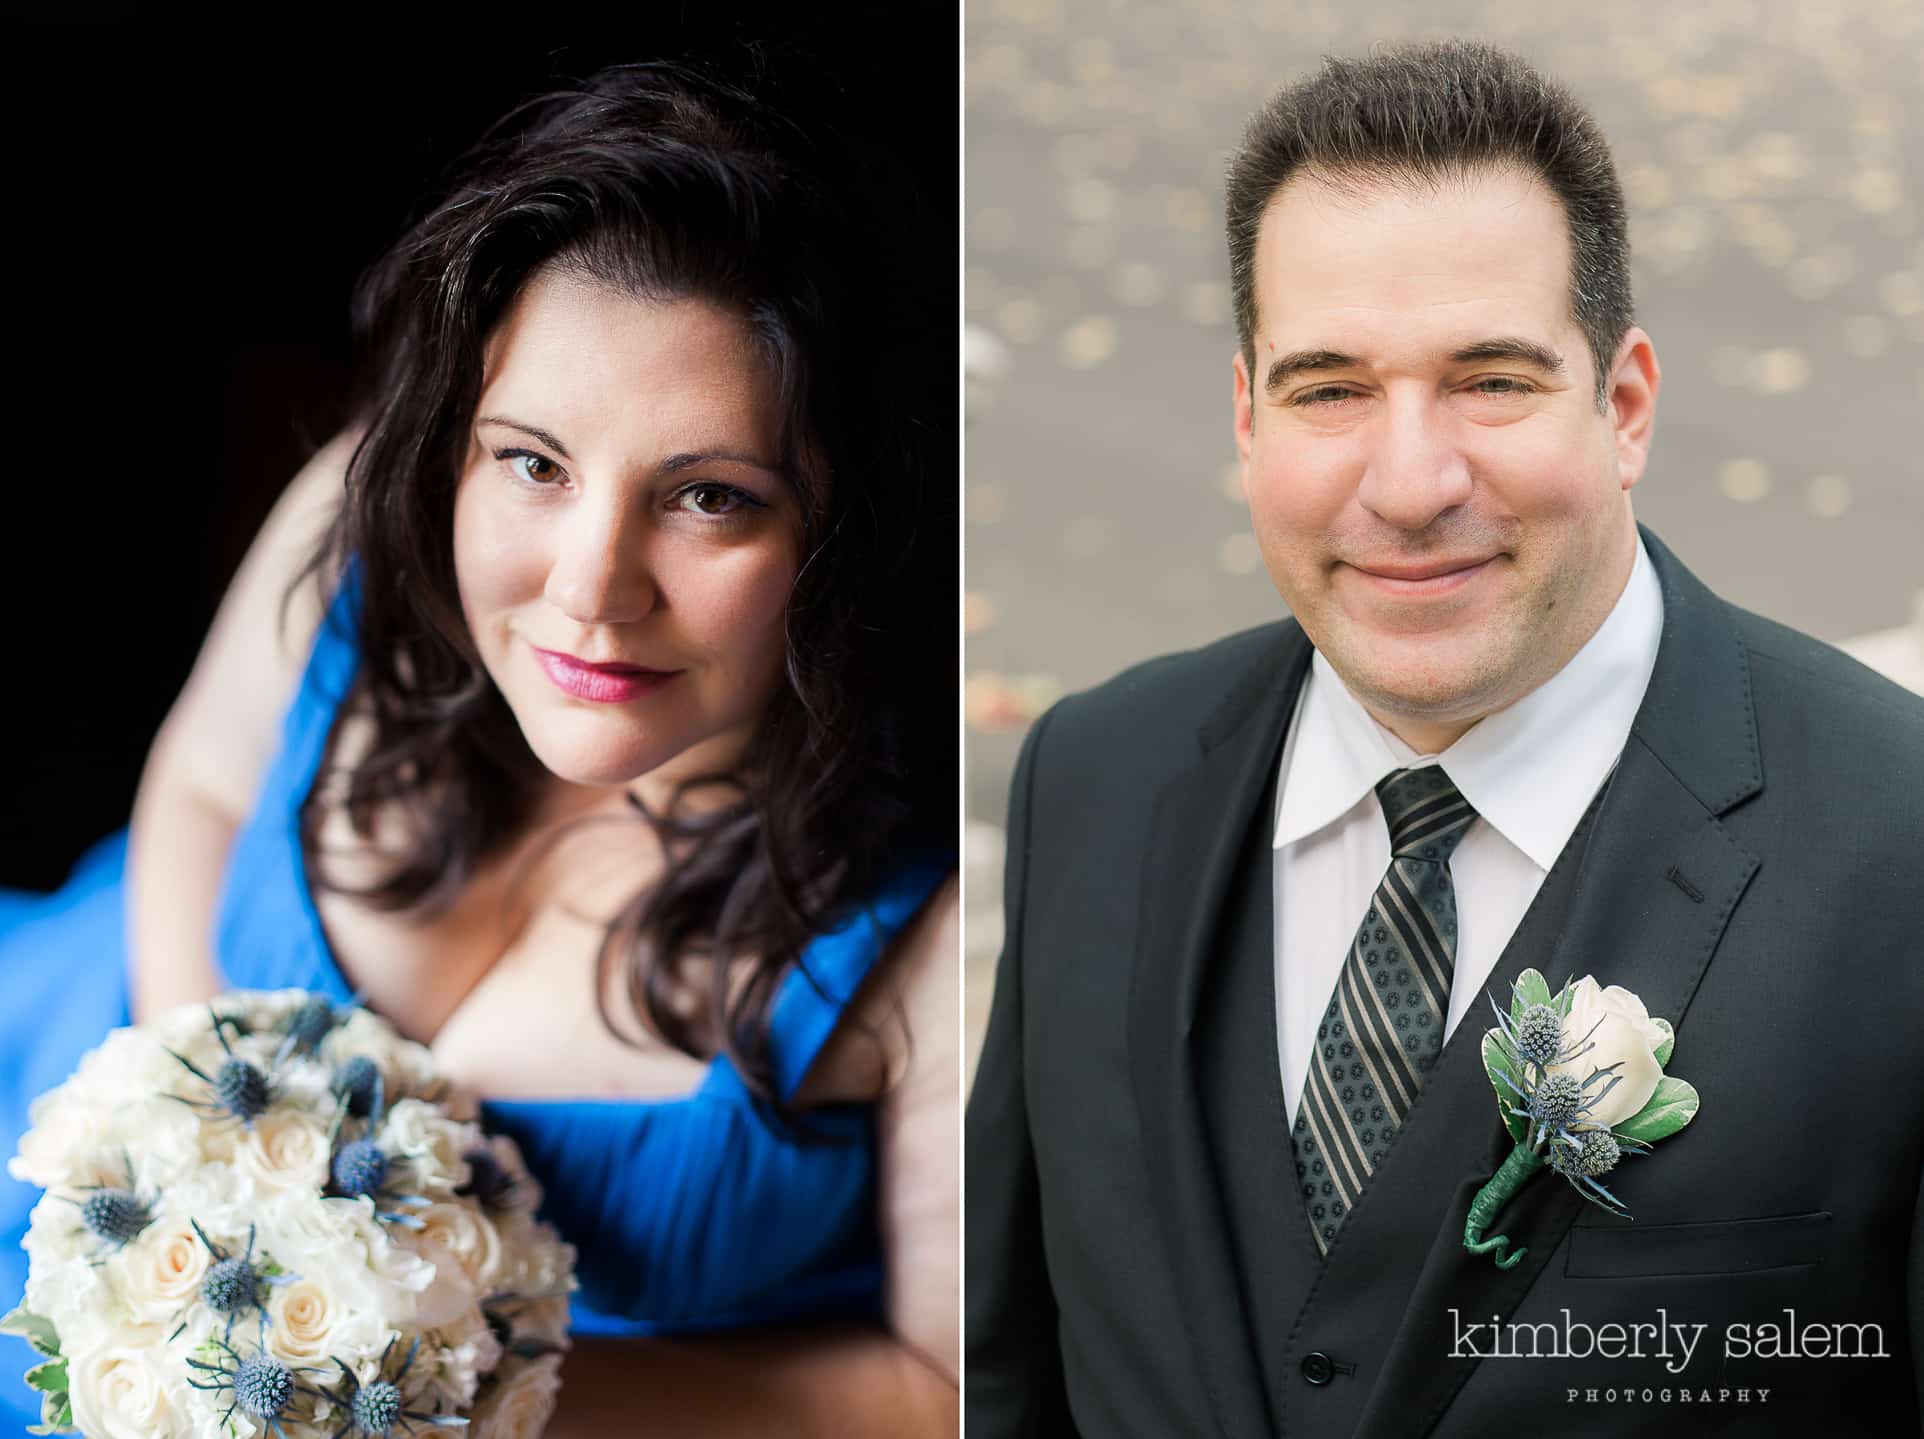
x: 601, y: 760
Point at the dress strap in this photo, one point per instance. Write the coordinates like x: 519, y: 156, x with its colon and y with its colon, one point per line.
x: 814, y: 993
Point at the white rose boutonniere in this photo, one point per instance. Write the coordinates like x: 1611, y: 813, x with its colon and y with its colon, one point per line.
x: 1580, y: 1082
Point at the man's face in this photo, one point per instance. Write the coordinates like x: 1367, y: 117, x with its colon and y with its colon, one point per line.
x: 1436, y: 496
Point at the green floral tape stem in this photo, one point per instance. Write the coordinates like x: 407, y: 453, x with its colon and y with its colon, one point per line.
x: 1490, y: 1199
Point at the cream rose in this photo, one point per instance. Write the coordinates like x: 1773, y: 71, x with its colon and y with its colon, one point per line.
x: 304, y: 1319
x: 461, y: 1233
x: 520, y: 1402
x: 117, y: 1393
x: 161, y: 1271
x: 1620, y: 1032
x: 284, y: 1149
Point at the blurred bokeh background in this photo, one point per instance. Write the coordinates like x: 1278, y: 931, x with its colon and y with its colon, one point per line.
x: 1773, y: 160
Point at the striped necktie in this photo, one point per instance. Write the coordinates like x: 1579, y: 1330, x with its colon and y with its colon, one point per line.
x: 1384, y: 1025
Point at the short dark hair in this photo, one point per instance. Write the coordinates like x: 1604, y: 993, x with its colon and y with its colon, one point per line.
x: 1433, y: 112
x: 664, y: 182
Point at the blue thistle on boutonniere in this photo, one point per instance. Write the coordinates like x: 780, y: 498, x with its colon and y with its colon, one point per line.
x: 1577, y: 1124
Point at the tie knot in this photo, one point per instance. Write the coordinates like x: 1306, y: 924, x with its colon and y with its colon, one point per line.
x: 1427, y: 814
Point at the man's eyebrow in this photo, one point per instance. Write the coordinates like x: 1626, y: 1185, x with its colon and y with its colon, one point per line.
x: 1285, y: 368
x: 535, y: 430
x: 1505, y: 347
x: 1511, y: 347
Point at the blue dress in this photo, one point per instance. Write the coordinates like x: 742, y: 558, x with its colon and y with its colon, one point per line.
x: 689, y: 1214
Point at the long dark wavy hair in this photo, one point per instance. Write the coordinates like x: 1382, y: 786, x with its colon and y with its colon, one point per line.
x: 666, y: 183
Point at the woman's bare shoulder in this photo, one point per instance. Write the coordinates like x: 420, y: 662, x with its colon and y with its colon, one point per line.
x: 903, y: 1019
x: 220, y: 733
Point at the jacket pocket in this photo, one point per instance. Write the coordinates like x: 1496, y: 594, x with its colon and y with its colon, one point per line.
x: 1717, y: 1246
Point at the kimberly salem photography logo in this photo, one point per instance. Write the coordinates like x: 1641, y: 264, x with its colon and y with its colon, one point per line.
x: 1663, y: 1338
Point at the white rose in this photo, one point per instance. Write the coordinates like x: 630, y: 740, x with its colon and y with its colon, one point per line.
x: 459, y: 1233
x: 433, y: 1144
x: 161, y: 1271
x: 454, y: 1358
x: 521, y: 1400
x: 118, y: 1393
x: 284, y: 1149
x: 1621, y: 1032
x: 539, y: 1263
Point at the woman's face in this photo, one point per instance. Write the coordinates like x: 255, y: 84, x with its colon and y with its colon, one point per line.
x: 623, y: 541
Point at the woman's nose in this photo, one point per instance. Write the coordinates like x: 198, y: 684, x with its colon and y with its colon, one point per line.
x: 1414, y: 472
x: 601, y: 572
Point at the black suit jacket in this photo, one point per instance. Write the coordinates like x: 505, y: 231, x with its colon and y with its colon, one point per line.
x: 1139, y: 1262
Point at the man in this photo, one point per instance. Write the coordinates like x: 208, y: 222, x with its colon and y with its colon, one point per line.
x: 1231, y: 1110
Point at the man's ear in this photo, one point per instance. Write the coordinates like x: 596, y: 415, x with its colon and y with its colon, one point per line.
x: 1635, y: 379
x: 1245, y: 416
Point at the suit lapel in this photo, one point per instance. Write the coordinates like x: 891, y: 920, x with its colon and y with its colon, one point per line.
x: 1201, y: 821
x: 1657, y: 883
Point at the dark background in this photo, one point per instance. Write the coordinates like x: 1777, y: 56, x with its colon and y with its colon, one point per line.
x: 189, y: 213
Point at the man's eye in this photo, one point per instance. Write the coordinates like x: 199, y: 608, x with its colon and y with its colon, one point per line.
x: 1322, y: 395
x: 1504, y: 385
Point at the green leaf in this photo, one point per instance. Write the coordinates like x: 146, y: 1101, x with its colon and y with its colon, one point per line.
x: 1669, y: 1043
x: 1672, y: 1107
x: 56, y: 1415
x: 1531, y: 988
x: 35, y: 1329
x: 49, y: 1378
x: 1495, y: 1062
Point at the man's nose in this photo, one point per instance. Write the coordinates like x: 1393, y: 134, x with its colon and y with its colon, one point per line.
x: 1415, y: 470
x: 602, y: 572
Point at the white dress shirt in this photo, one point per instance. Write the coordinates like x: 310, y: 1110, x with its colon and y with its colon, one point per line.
x: 1530, y: 771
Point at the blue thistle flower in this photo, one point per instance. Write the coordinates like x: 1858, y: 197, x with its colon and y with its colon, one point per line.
x: 240, y: 1089
x: 358, y: 1084
x: 376, y: 1408
x: 308, y: 1026
x: 262, y: 1386
x: 360, y: 1168
x: 234, y: 1283
x: 489, y: 1181
x: 115, y: 1215
x: 1556, y: 1099
x: 1539, y: 1035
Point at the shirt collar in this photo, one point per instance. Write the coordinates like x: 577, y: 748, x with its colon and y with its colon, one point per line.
x: 1530, y: 770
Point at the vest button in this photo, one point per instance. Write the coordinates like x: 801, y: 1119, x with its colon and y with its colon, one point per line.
x: 1318, y: 1367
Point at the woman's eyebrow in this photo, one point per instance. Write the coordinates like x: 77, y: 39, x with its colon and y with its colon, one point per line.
x: 535, y: 430
x: 688, y: 459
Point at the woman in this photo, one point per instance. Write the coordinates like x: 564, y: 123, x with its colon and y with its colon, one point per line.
x: 571, y: 709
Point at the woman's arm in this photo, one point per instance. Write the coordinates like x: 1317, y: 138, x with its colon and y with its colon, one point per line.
x: 215, y: 745
x: 839, y: 1381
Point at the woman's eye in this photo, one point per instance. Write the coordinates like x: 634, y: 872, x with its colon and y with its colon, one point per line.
x: 528, y: 466
x: 716, y: 501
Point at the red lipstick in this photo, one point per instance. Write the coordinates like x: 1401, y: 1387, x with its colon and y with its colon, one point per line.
x: 611, y: 684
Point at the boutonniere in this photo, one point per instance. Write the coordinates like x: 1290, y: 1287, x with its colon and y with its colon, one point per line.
x: 1579, y: 1082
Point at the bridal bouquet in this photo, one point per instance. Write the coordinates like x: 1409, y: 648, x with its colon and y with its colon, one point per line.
x: 269, y: 1217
